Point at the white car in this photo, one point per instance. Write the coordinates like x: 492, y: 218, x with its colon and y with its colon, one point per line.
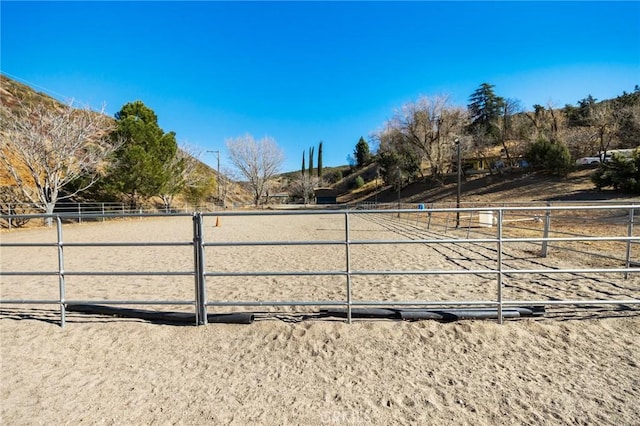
x: 588, y: 160
x: 625, y: 153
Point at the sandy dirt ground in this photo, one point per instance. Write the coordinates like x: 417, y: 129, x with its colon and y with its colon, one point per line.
x: 290, y: 366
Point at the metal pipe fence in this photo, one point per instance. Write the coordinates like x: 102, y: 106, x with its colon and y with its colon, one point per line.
x: 409, y: 227
x: 16, y: 215
x: 62, y: 273
x: 517, y: 213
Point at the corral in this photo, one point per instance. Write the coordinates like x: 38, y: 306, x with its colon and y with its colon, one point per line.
x: 305, y: 260
x: 576, y: 364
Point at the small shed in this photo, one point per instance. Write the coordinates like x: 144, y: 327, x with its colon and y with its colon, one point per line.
x: 326, y: 196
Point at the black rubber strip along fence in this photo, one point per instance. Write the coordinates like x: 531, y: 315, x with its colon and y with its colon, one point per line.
x: 443, y: 315
x: 185, y: 318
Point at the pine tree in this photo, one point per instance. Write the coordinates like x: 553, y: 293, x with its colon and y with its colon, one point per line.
x: 142, y: 163
x: 362, y: 152
x: 485, y: 108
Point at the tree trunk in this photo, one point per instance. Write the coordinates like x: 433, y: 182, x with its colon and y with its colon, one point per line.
x: 49, y: 210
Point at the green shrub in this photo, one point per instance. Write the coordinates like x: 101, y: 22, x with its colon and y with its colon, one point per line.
x: 358, y: 182
x: 620, y: 173
x: 333, y: 177
x: 553, y: 157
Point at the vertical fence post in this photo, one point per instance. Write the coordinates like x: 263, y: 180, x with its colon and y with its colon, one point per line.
x: 545, y: 233
x: 102, y: 205
x: 79, y: 213
x: 348, y: 263
x: 629, y: 234
x: 61, y: 285
x: 203, y: 279
x: 446, y: 224
x: 198, y: 268
x: 500, y: 248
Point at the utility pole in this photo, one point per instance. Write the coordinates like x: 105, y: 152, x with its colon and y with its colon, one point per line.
x: 217, y: 152
x: 459, y: 172
x: 399, y: 183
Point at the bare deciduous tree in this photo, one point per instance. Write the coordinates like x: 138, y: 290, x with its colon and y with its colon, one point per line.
x: 604, y: 123
x: 302, y: 187
x: 257, y: 161
x: 225, y: 184
x: 507, y: 126
x: 430, y: 125
x: 44, y: 148
x: 9, y: 207
x: 186, y: 174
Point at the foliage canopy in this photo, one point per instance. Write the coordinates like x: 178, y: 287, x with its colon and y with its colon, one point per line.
x: 143, y: 165
x: 553, y: 157
x: 620, y: 173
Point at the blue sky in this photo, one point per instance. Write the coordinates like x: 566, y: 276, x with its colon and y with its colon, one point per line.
x: 304, y: 72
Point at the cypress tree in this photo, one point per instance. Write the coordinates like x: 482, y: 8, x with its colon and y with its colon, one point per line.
x: 320, y: 160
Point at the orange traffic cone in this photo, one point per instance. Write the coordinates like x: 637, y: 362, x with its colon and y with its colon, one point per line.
x: 218, y: 224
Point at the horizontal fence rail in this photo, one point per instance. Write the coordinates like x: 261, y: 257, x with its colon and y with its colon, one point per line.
x: 17, y: 215
x: 62, y: 274
x: 492, y: 234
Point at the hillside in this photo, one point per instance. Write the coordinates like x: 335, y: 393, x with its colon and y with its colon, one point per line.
x: 490, y: 189
x: 13, y: 93
x: 519, y: 185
